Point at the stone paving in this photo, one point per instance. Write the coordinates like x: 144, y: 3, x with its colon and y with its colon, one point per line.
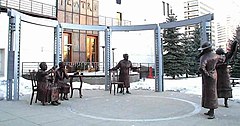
x: 99, y: 108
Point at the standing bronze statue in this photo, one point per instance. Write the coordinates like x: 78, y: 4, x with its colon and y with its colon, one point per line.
x: 47, y: 91
x: 208, y: 62
x: 60, y: 76
x: 224, y: 89
x: 124, y: 65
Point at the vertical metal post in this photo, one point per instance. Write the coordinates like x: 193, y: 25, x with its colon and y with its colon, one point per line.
x: 158, y: 61
x: 203, y: 32
x: 108, y: 33
x: 113, y: 56
x: 13, y: 57
x: 103, y: 56
x: 57, y: 44
x: 17, y: 58
x: 10, y: 66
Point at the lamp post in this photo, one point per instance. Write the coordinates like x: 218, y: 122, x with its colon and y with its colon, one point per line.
x: 113, y: 55
x: 68, y: 53
x: 103, y: 56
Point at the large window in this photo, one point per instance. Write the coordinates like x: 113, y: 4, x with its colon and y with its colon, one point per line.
x: 118, y: 1
x: 67, y: 46
x: 2, y: 62
x: 91, y: 51
x: 119, y: 18
x: 164, y: 13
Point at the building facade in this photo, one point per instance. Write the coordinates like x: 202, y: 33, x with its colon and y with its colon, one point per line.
x: 79, y: 45
x: 221, y: 36
x: 37, y: 42
x: 195, y: 8
x: 226, y: 31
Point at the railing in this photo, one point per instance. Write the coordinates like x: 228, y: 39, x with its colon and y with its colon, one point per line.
x: 26, y: 66
x: 85, y: 66
x: 30, y: 6
x: 109, y: 21
x: 48, y: 10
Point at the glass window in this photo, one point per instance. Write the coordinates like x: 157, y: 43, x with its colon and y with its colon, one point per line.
x: 91, y: 51
x: 118, y: 1
x: 119, y: 18
x: 67, y: 47
x: 1, y: 62
x: 167, y: 9
x: 163, y: 8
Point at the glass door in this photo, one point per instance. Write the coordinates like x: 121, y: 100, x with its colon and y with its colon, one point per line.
x: 91, y: 52
x: 67, y: 47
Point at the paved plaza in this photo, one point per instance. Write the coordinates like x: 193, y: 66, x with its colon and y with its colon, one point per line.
x: 99, y: 108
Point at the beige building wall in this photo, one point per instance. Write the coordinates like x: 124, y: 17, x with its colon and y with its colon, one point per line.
x: 84, y: 12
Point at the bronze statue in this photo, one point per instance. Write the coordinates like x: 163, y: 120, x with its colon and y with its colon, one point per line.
x: 47, y: 91
x: 60, y: 76
x: 208, y: 62
x: 224, y: 89
x: 124, y: 65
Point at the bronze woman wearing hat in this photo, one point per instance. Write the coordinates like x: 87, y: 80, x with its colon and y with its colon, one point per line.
x: 224, y: 89
x: 208, y: 61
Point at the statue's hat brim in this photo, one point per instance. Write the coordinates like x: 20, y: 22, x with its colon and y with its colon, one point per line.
x: 203, y: 48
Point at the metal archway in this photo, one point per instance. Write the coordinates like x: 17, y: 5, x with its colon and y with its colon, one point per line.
x: 14, y: 39
x: 15, y: 19
x: 159, y: 86
x: 108, y: 35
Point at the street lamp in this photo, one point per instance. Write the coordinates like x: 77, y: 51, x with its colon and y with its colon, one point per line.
x: 113, y: 54
x: 103, y: 56
x: 68, y: 53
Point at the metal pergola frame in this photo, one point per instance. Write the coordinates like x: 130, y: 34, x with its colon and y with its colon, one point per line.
x: 15, y: 19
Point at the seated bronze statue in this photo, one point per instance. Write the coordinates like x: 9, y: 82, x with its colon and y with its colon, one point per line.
x: 46, y: 91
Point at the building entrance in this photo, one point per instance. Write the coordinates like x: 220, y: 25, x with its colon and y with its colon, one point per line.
x: 67, y: 47
x: 92, y: 51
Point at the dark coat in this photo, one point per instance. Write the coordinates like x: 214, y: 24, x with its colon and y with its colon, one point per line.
x: 124, y: 66
x: 60, y: 76
x: 46, y: 91
x: 208, y: 63
x: 224, y: 89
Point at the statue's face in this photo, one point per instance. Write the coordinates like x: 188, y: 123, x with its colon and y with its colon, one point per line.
x: 62, y: 65
x: 125, y: 57
x: 44, y: 66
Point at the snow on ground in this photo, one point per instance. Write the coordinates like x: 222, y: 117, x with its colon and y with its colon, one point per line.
x: 184, y: 85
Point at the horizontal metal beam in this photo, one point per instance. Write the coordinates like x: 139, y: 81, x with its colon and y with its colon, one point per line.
x: 134, y: 27
x: 33, y: 20
x: 205, y: 18
x: 83, y: 27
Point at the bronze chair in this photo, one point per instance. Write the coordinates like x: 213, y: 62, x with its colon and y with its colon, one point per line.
x: 114, y: 81
x: 34, y: 85
x: 76, y: 88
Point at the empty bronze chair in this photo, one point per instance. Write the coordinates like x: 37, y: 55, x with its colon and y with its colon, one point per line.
x: 114, y: 81
x: 34, y: 85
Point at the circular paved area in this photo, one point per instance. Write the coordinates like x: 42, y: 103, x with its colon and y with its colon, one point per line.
x: 134, y: 108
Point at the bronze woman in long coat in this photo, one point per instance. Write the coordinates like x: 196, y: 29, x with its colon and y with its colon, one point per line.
x: 224, y: 89
x: 47, y: 92
x: 124, y: 65
x: 208, y: 61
